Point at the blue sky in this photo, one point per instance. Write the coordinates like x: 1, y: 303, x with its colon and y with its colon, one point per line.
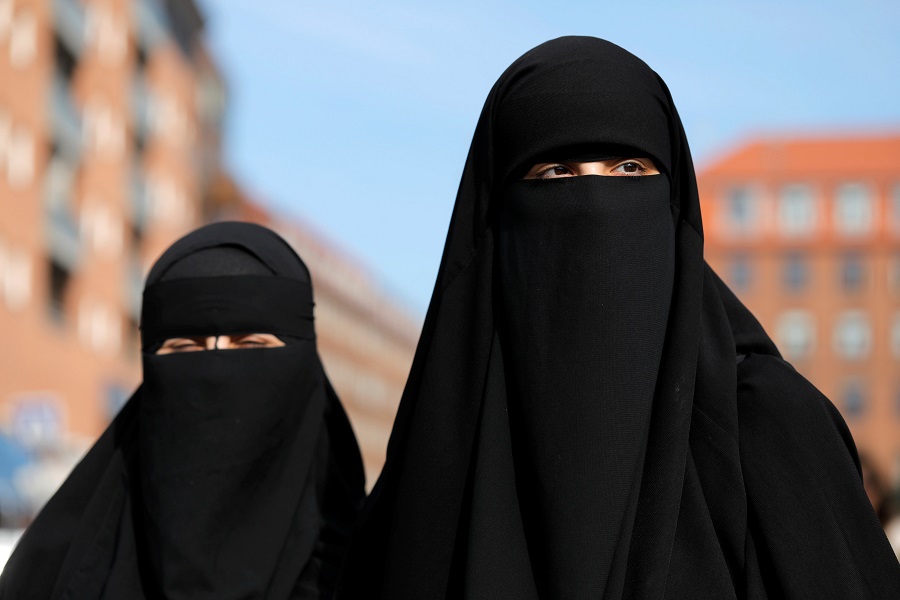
x: 357, y: 116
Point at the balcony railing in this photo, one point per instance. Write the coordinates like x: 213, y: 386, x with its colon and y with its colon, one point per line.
x: 63, y: 239
x: 141, y: 106
x: 61, y: 228
x: 134, y: 289
x: 138, y: 199
x: 69, y: 20
x: 150, y: 23
x: 65, y: 120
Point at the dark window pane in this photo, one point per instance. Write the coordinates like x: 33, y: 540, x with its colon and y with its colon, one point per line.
x: 853, y: 272
x: 741, y: 274
x: 854, y: 399
x: 64, y: 58
x: 116, y: 397
x: 741, y: 210
x: 795, y: 274
x: 59, y: 286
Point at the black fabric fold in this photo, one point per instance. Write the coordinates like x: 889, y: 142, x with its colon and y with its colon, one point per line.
x: 226, y: 305
x: 591, y: 413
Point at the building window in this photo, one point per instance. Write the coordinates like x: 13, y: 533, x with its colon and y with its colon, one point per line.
x: 211, y: 100
x: 795, y: 275
x: 853, y: 335
x: 58, y: 288
x: 797, y: 210
x: 854, y: 209
x: 116, y: 397
x: 741, y: 210
x: 796, y: 334
x: 853, y: 399
x: 135, y: 236
x: 895, y: 335
x: 66, y: 62
x: 740, y: 272
x: 853, y: 272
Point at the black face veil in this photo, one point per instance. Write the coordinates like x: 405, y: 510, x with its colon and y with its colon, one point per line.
x: 231, y: 473
x: 570, y: 427
x: 585, y: 279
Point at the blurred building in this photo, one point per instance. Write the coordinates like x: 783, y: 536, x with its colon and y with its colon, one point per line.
x: 109, y: 120
x: 807, y: 232
x: 110, y: 132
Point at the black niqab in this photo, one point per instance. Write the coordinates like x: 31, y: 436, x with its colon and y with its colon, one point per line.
x: 230, y: 473
x: 590, y: 412
x: 567, y: 277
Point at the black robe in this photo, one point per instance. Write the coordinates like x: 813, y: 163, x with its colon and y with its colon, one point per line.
x: 591, y: 413
x: 229, y: 473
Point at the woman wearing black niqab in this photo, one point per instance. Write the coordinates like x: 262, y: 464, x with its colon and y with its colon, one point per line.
x: 591, y: 413
x: 230, y: 473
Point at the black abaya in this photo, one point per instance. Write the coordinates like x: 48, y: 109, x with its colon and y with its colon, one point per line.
x: 591, y: 413
x: 229, y: 473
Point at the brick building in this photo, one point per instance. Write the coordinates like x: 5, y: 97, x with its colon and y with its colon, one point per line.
x: 102, y: 108
x: 807, y: 232
x: 110, y: 131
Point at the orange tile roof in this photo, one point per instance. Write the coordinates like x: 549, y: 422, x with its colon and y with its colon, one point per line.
x: 811, y: 155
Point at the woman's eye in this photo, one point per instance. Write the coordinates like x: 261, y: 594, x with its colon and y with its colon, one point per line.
x: 181, y: 345
x: 258, y: 340
x: 184, y: 347
x: 630, y: 167
x: 552, y: 171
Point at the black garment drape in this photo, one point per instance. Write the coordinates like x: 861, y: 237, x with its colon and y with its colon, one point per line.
x: 591, y: 413
x: 229, y: 473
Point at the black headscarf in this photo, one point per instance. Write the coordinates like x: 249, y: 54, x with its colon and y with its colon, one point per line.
x: 591, y: 413
x: 230, y: 473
